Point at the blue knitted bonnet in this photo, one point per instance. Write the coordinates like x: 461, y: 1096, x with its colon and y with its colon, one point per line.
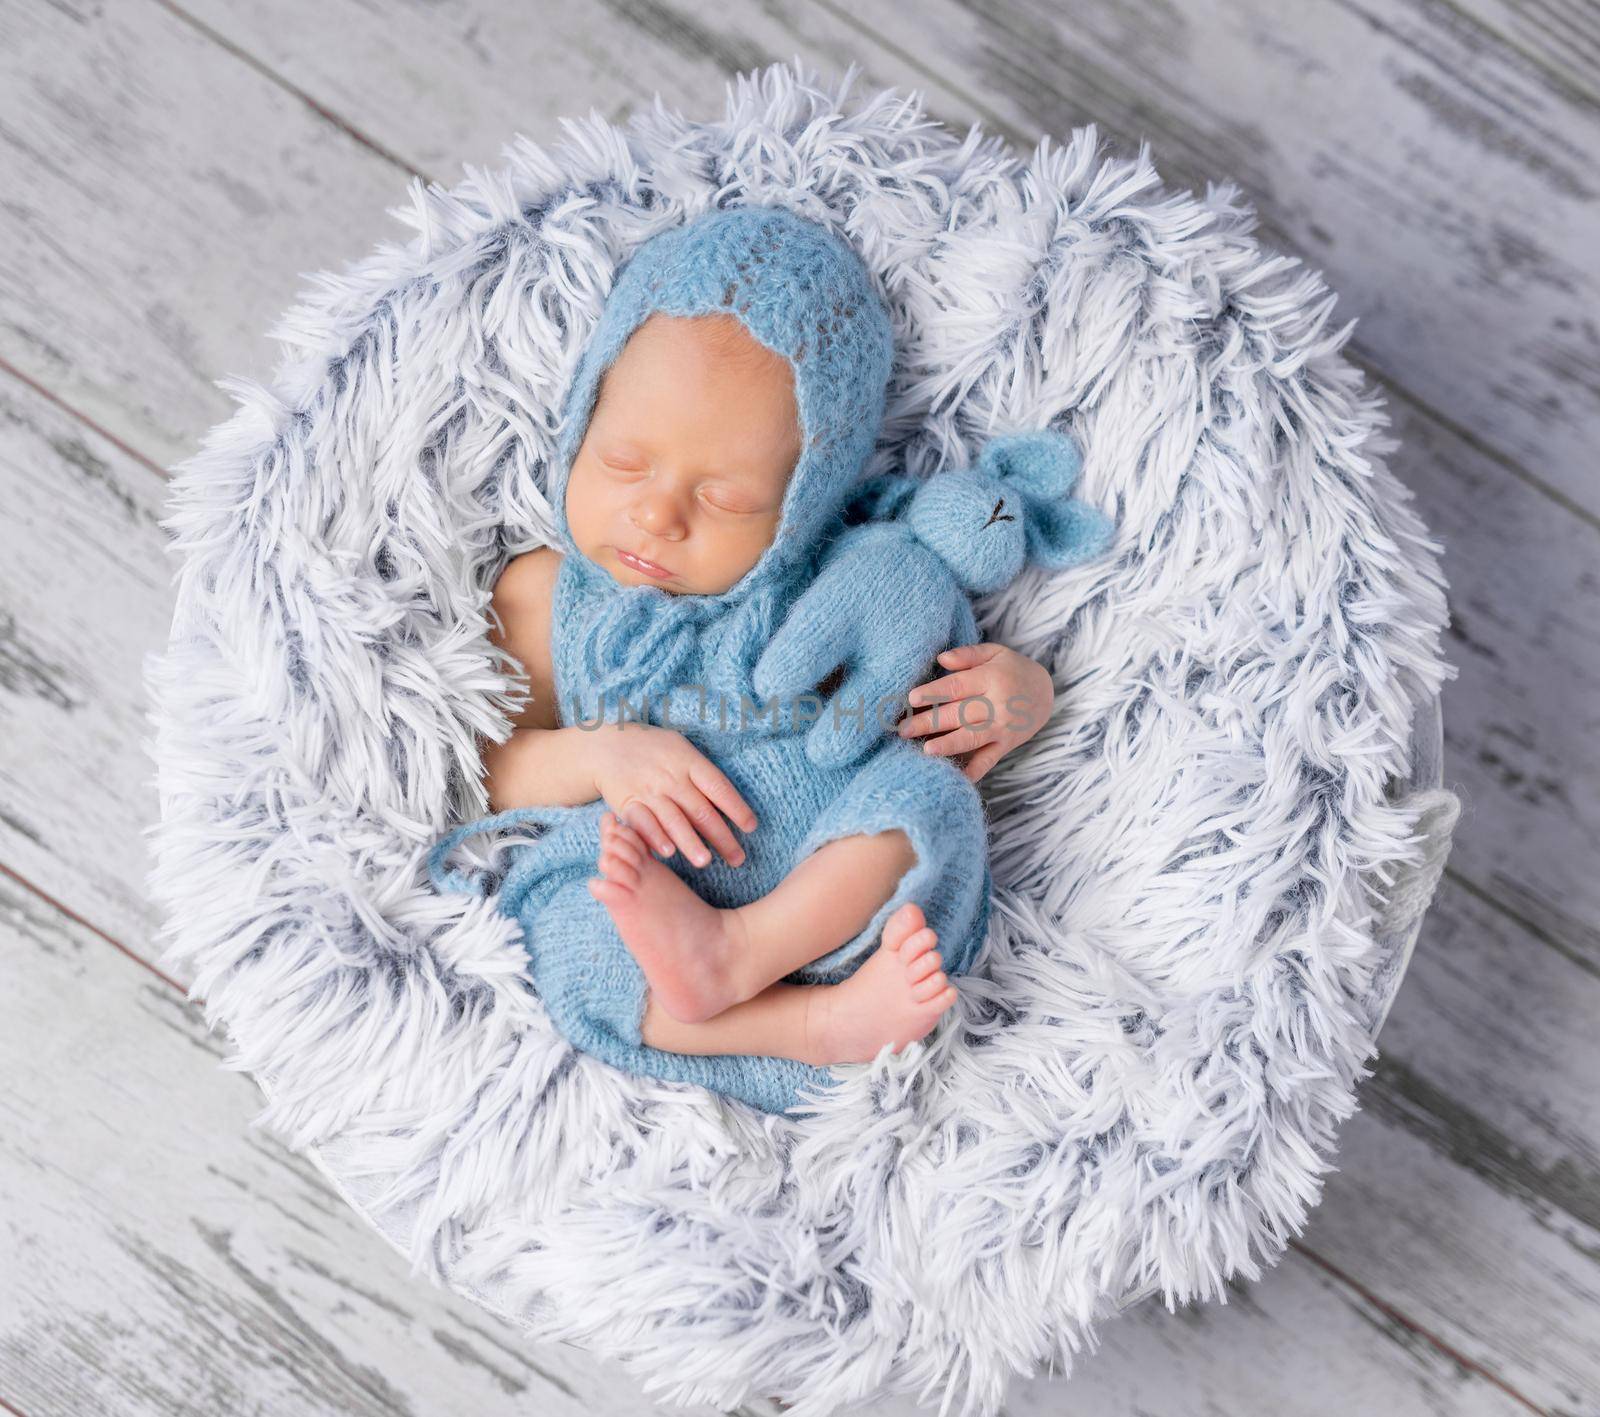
x: 804, y: 293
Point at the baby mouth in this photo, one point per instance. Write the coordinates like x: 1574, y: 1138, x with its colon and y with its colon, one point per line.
x: 639, y: 563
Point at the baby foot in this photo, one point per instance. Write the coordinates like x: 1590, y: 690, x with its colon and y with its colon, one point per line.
x: 686, y: 947
x: 895, y: 997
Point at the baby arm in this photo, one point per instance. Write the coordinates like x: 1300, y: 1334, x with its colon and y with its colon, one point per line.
x: 542, y: 764
x: 652, y: 777
x: 995, y: 701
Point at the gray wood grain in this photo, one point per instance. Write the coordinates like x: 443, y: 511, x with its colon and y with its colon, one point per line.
x: 1472, y: 1169
x: 148, y: 150
x: 1522, y: 717
x: 1561, y: 40
x: 151, y: 234
x: 85, y: 593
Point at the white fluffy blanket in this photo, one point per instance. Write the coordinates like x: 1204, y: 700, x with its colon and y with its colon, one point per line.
x: 1141, y: 1083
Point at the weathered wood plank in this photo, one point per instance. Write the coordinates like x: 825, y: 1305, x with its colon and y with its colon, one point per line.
x: 464, y: 104
x: 1521, y: 717
x: 161, y: 201
x: 168, y: 1261
x: 1281, y: 1345
x: 162, y: 1258
x: 1474, y: 1166
x: 1558, y: 38
x: 84, y: 594
x: 1444, y: 185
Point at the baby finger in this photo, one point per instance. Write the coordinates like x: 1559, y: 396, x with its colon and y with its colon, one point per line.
x: 639, y: 816
x: 980, y: 762
x: 711, y: 780
x: 947, y: 689
x: 678, y: 826
x: 960, y: 740
x: 708, y: 821
x: 938, y: 719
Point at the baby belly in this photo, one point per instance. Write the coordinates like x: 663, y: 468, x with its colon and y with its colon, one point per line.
x: 786, y: 791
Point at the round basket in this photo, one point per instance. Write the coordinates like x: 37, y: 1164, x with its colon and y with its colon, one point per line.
x: 1210, y: 866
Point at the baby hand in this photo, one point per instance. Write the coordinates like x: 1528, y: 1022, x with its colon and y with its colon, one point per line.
x: 997, y: 701
x: 664, y: 787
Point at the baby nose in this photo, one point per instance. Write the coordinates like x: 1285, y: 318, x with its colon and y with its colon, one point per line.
x: 657, y: 514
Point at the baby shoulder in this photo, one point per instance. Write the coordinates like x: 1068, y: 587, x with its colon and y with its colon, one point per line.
x: 521, y: 601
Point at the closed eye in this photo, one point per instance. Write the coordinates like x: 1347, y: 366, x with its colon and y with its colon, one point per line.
x: 723, y: 502
x: 722, y: 499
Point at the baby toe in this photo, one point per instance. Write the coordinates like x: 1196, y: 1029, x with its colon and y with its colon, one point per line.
x: 930, y: 988
x: 902, y: 924
x: 614, y: 866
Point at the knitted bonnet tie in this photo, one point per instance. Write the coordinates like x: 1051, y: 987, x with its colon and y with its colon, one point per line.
x: 805, y: 294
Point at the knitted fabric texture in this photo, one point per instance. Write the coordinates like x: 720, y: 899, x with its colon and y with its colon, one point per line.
x: 638, y: 649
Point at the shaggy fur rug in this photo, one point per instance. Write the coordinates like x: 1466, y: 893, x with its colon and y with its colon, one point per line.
x: 1141, y: 1083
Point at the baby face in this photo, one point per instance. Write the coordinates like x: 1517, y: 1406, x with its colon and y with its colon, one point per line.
x: 680, y: 477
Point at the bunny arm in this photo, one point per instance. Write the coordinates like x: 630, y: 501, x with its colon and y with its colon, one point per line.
x: 881, y: 607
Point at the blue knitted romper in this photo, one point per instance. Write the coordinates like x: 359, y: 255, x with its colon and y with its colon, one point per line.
x: 686, y: 662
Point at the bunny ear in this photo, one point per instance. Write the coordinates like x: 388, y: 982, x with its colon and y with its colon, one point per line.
x: 1041, y: 463
x: 1063, y: 533
x: 1043, y: 466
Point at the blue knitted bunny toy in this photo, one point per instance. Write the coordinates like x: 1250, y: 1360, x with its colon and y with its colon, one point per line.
x: 960, y: 531
x: 689, y: 660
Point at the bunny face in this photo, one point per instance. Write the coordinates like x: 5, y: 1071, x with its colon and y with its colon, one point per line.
x: 1013, y: 506
x: 974, y: 525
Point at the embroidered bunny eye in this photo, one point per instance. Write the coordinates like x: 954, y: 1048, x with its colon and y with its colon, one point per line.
x: 999, y: 514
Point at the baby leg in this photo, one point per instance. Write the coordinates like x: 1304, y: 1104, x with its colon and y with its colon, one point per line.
x: 894, y: 998
x: 700, y: 960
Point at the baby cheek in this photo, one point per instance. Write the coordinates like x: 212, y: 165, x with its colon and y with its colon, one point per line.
x: 761, y: 537
x: 592, y: 503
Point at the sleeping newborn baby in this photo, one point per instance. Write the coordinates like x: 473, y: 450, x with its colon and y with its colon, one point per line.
x: 709, y: 468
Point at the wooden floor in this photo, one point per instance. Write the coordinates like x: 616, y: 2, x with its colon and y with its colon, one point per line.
x: 168, y: 171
